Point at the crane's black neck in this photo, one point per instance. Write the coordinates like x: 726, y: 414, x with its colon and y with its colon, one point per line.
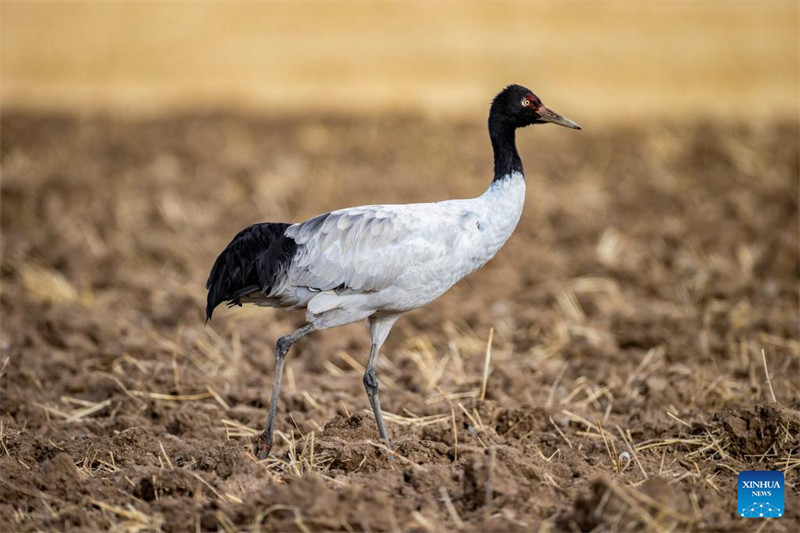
x: 506, y: 157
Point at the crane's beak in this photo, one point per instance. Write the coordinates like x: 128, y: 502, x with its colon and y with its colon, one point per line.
x: 548, y: 115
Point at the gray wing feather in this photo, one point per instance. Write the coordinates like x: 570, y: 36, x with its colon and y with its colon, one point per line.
x: 366, y: 249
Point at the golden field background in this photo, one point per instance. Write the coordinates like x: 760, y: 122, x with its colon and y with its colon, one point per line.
x: 604, y: 60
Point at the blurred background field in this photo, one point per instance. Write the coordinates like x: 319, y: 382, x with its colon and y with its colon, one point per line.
x: 604, y: 60
x: 650, y: 287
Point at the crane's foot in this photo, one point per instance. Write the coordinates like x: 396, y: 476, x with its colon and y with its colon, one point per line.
x: 261, y: 447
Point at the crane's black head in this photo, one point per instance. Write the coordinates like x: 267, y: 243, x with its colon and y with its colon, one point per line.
x: 519, y: 107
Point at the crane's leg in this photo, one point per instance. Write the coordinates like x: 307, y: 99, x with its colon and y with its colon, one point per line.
x: 263, y: 444
x: 379, y: 330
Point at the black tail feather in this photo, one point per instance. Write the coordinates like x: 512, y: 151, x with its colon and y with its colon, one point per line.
x: 255, y: 260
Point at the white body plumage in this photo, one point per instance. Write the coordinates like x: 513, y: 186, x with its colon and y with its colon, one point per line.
x: 389, y: 259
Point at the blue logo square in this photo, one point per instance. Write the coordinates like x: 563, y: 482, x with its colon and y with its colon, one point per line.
x: 761, y: 494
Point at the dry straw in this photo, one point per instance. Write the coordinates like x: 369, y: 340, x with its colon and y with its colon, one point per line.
x: 486, y: 363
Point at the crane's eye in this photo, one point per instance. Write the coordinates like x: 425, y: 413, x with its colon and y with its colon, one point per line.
x: 526, y: 102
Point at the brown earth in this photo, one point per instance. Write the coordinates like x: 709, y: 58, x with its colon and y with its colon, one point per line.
x: 653, y: 276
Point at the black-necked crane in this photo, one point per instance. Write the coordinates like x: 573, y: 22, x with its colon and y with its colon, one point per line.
x: 377, y: 262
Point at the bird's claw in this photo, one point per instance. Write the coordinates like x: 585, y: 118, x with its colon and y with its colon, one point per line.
x: 261, y: 447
